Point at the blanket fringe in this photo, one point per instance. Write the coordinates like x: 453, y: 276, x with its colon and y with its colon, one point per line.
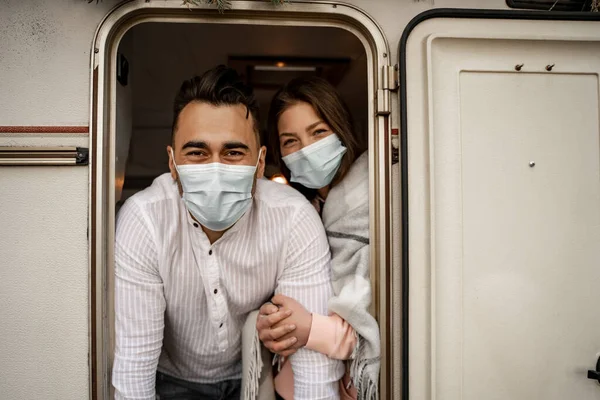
x: 254, y: 370
x: 364, y: 373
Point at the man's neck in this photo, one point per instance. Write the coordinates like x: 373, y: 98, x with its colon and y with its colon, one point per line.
x: 213, y: 236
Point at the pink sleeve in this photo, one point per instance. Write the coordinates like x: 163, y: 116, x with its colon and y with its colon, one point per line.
x: 331, y: 336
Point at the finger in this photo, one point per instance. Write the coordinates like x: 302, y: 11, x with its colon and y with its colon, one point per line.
x: 287, y: 335
x: 288, y: 320
x: 282, y: 345
x: 288, y: 352
x: 279, y: 299
x: 262, y: 322
x: 268, y: 308
x: 268, y: 321
x: 269, y: 344
x: 278, y: 316
x: 282, y: 333
x: 270, y: 333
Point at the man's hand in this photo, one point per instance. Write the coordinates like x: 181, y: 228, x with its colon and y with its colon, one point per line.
x: 283, y: 325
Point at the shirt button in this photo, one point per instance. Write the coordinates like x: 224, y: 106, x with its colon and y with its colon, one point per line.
x: 210, y: 252
x: 195, y: 225
x: 215, y: 292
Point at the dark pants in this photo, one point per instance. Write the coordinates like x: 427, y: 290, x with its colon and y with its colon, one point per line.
x: 170, y: 388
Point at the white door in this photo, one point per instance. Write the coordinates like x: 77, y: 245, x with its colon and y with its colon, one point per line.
x: 503, y: 193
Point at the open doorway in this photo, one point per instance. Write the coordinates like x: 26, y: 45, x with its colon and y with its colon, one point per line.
x: 340, y: 42
x: 154, y: 58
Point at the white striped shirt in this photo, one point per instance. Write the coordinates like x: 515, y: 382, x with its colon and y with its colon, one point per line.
x: 181, y: 302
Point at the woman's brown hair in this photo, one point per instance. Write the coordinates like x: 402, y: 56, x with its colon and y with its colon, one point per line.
x: 329, y: 106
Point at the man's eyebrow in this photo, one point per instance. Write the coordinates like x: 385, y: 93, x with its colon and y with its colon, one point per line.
x: 195, y: 144
x: 235, y: 145
x: 311, y: 126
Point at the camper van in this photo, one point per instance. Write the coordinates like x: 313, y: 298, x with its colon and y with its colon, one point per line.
x: 481, y: 119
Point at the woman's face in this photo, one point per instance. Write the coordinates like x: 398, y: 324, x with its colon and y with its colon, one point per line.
x: 300, y: 126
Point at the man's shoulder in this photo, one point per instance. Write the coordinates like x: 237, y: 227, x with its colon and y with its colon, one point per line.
x: 276, y: 195
x: 162, y: 190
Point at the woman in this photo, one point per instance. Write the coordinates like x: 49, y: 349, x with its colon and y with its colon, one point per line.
x: 312, y: 138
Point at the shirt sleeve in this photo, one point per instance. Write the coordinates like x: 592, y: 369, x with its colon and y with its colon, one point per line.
x: 139, y: 307
x: 306, y: 277
x: 332, y: 336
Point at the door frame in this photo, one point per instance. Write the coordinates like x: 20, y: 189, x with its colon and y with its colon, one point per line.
x: 102, y: 151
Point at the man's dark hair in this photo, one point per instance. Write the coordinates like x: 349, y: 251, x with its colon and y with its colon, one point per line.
x: 218, y: 86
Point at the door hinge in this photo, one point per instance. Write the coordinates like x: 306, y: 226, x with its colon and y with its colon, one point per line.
x: 390, y: 77
x: 389, y: 83
x: 383, y: 102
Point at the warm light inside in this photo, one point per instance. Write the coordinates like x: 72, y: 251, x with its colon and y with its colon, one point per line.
x: 279, y: 179
x: 280, y: 64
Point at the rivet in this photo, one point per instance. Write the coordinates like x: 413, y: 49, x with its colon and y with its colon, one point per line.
x: 96, y: 50
x: 384, y: 55
x: 518, y: 67
x: 532, y: 164
x: 335, y: 6
x: 549, y: 67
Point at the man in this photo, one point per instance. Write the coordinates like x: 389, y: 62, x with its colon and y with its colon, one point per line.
x: 205, y: 245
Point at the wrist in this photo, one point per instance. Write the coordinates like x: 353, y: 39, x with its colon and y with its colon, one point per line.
x: 308, y: 330
x: 321, y: 335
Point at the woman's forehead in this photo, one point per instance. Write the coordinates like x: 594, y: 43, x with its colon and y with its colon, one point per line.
x: 299, y: 116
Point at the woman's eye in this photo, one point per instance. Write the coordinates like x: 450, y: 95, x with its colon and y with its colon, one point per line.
x: 319, y: 132
x: 289, y: 142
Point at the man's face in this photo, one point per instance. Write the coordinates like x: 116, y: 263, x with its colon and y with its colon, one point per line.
x: 207, y: 134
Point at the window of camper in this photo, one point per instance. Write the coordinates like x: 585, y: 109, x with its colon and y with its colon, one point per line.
x: 551, y: 5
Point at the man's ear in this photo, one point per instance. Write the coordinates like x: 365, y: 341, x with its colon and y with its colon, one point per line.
x: 171, y: 154
x: 260, y: 169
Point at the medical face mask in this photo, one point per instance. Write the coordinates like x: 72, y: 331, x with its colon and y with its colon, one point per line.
x: 216, y: 194
x: 315, y: 165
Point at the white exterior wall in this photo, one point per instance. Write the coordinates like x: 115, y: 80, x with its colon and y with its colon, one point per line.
x: 44, y: 270
x: 43, y: 278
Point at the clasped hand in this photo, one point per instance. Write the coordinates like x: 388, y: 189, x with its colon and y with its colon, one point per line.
x: 283, y: 325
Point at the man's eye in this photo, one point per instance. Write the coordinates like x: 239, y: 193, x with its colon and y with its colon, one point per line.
x: 195, y: 153
x: 234, y: 153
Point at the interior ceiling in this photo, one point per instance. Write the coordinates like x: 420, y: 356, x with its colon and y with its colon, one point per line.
x: 165, y: 54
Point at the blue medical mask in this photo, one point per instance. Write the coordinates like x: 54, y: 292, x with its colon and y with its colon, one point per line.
x: 314, y: 166
x: 216, y: 194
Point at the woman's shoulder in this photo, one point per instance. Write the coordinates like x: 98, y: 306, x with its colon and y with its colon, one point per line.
x: 351, y: 195
x: 360, y: 167
x: 357, y: 177
x: 362, y: 159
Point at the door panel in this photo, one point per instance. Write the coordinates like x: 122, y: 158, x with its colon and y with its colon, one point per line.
x: 531, y: 242
x: 503, y: 209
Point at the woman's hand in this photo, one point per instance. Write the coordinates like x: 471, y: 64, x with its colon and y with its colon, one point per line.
x: 283, y: 325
